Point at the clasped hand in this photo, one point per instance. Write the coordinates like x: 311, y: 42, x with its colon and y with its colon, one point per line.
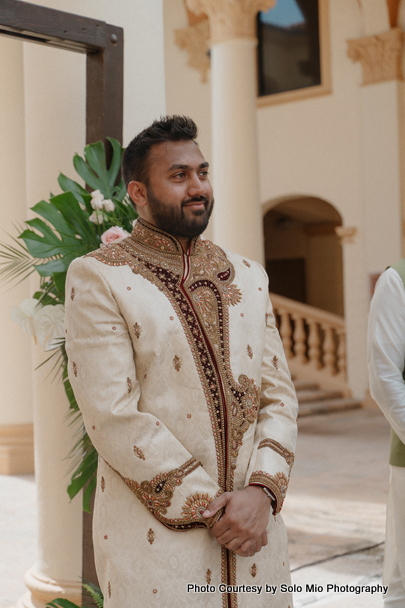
x: 242, y: 527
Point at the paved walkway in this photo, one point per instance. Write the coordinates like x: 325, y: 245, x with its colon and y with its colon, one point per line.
x: 335, y: 507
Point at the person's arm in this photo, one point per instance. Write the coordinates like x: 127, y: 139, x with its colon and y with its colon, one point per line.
x: 247, y: 511
x: 386, y: 349
x: 143, y: 452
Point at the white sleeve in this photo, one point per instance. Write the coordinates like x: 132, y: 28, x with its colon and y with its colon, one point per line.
x: 386, y: 349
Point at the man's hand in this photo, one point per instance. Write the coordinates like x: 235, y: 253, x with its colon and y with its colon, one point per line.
x: 242, y: 528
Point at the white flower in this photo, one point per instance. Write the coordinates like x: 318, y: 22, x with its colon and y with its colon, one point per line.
x: 108, y: 205
x: 25, y: 315
x: 82, y: 206
x: 97, y: 200
x: 49, y: 325
x: 96, y: 218
x: 97, y: 194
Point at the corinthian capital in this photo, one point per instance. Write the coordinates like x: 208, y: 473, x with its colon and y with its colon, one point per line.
x: 380, y: 55
x: 230, y: 18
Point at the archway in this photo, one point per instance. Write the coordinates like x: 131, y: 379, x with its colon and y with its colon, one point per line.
x: 303, y: 252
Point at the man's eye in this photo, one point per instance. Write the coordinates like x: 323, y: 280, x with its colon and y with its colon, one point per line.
x: 181, y: 174
x: 203, y: 173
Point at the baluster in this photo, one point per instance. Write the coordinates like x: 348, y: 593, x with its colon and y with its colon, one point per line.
x: 299, y: 338
x: 286, y: 333
x: 329, y: 348
x: 341, y: 353
x: 314, y: 342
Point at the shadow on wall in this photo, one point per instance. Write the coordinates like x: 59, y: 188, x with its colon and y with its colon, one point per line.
x: 304, y: 253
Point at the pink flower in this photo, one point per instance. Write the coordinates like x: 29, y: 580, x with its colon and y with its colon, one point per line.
x: 115, y: 233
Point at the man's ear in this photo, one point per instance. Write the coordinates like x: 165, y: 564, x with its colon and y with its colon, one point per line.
x: 137, y: 192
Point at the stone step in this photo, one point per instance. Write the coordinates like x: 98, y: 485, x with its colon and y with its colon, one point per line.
x: 326, y: 406
x: 318, y: 394
x: 304, y: 384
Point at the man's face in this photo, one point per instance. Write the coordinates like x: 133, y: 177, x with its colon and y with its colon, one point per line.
x: 179, y: 194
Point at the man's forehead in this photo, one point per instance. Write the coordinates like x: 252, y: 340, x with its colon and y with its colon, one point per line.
x: 170, y: 153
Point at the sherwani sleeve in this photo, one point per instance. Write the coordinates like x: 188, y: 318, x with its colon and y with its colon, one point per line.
x: 142, y: 451
x: 386, y: 349
x: 276, y: 429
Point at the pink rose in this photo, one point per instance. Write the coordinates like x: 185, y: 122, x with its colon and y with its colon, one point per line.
x: 115, y: 233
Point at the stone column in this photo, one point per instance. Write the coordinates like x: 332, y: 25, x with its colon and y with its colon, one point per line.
x: 237, y: 217
x: 16, y: 434
x: 382, y: 150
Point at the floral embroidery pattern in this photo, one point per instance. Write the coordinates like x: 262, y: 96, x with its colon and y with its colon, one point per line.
x: 277, y: 483
x: 275, y: 361
x: 208, y: 576
x: 277, y: 447
x: 157, y: 494
x: 109, y: 589
x: 150, y: 536
x: 137, y: 330
x: 246, y: 263
x: 138, y: 452
x: 102, y: 484
x: 249, y: 351
x: 177, y: 363
x: 129, y: 384
x: 253, y: 570
x: 74, y: 369
x: 72, y: 293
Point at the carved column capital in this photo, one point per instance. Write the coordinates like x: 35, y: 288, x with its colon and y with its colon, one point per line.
x: 195, y: 40
x: 380, y: 55
x: 230, y: 19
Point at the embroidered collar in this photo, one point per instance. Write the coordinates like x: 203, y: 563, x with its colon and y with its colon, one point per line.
x: 157, y: 239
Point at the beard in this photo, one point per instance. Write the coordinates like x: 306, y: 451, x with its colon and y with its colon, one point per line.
x: 175, y: 221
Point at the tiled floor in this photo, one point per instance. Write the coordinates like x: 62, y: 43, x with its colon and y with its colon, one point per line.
x: 335, y: 507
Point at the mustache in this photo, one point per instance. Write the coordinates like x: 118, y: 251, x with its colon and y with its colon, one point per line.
x: 196, y: 199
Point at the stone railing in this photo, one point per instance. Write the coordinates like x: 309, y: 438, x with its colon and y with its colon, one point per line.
x: 314, y: 343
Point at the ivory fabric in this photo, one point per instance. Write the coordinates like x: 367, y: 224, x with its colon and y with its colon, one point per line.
x: 394, y: 558
x: 180, y: 374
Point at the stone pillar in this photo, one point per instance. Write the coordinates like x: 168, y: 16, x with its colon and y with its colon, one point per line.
x: 237, y: 217
x: 16, y: 434
x: 382, y: 146
x: 50, y: 143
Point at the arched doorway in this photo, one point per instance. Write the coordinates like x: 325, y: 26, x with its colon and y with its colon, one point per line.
x: 303, y: 252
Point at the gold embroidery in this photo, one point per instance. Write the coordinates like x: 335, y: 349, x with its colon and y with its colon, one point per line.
x: 208, y: 576
x: 277, y: 447
x: 253, y: 570
x: 102, y: 484
x: 129, y: 384
x: 137, y: 330
x: 74, y: 369
x: 156, y: 495
x: 246, y: 263
x: 177, y: 363
x: 155, y: 591
x: 249, y: 351
x: 109, y: 589
x: 150, y: 536
x: 72, y: 293
x: 277, y: 484
x: 138, y: 452
x: 275, y: 361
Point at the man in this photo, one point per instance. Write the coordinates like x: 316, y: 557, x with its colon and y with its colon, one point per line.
x: 386, y: 357
x: 180, y: 374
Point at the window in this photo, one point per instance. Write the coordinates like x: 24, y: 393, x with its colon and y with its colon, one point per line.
x: 292, y: 50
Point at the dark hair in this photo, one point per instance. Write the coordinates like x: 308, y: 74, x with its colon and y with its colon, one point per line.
x: 135, y: 160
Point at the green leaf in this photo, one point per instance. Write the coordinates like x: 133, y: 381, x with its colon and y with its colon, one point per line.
x: 85, y: 473
x: 115, y: 165
x: 88, y: 494
x: 74, y: 215
x: 38, y: 246
x: 59, y: 278
x: 68, y: 185
x: 69, y: 391
x: 52, y: 267
x: 86, y: 173
x: 52, y: 215
x: 62, y: 603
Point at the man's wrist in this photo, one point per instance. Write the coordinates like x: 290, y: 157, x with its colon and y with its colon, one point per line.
x: 265, y: 490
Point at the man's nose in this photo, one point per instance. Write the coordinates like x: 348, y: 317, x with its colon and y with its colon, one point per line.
x: 196, y: 186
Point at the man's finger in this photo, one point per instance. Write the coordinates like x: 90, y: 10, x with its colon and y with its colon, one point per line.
x: 216, y: 505
x: 265, y: 540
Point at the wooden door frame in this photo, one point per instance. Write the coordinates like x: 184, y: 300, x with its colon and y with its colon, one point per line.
x: 103, y: 45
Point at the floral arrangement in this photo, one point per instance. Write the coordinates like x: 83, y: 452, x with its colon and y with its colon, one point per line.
x: 91, y: 590
x: 69, y: 225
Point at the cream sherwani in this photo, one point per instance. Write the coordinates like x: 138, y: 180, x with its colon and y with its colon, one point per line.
x: 179, y: 371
